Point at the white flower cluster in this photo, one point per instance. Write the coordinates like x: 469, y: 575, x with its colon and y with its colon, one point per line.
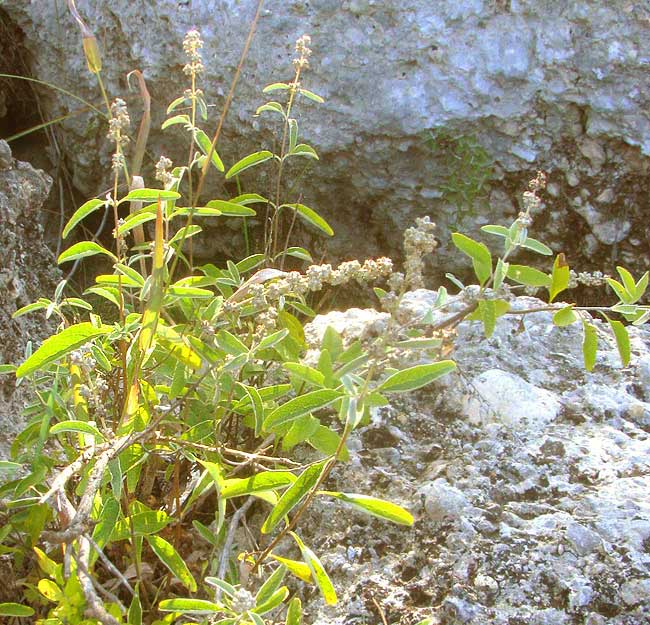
x: 191, y: 45
x: 418, y: 242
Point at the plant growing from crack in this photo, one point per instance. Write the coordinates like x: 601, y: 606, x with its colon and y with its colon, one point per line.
x: 168, y: 423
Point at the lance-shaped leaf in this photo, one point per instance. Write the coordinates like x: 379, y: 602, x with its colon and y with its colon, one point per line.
x: 82, y: 250
x: 271, y: 585
x: 248, y: 161
x: 83, y: 211
x: 311, y: 216
x: 231, y: 209
x: 294, y: 495
x: 60, y: 344
x: 190, y: 606
x: 376, y: 507
x: 296, y: 567
x: 622, y: 340
x: 529, y: 276
x: 78, y: 427
x: 203, y: 141
x: 172, y: 560
x: 144, y: 524
x: 260, y: 482
x: 416, y: 377
x: 294, y: 613
x: 318, y: 571
x: 559, y: 277
x: 150, y: 195
x: 15, y: 609
x: 154, y: 305
x: 299, y: 406
x: 589, y: 345
x: 478, y: 252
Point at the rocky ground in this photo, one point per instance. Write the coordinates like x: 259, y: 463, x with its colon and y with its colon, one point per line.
x: 27, y: 271
x: 528, y: 477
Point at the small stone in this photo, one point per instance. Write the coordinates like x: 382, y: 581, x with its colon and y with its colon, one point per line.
x: 486, y: 584
x: 595, y: 619
x: 6, y: 159
x: 572, y: 180
x: 593, y: 152
x: 635, y: 591
x: 582, y: 539
x: 443, y: 501
x: 606, y: 196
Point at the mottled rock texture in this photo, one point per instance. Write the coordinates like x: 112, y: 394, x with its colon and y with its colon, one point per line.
x: 507, y: 86
x: 27, y: 272
x: 535, y: 513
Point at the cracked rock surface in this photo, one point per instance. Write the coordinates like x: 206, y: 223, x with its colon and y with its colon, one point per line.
x: 528, y: 478
x: 27, y: 271
x: 506, y: 86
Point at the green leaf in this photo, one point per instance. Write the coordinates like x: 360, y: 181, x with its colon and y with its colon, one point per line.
x: 231, y: 209
x: 299, y: 406
x: 149, y: 195
x: 478, y: 252
x: 39, y: 305
x: 230, y: 344
x: 172, y: 560
x: 7, y: 466
x: 312, y: 217
x: 276, y: 86
x: 109, y: 293
x: 622, y: 340
x: 83, y: 249
x: 203, y: 141
x: 537, y: 246
x: 83, y: 211
x: 260, y: 482
x: 416, y: 377
x: 190, y: 606
x: 271, y: 603
x: 248, y: 161
x: 271, y: 585
x: 50, y: 590
x: 305, y: 373
x: 273, y: 107
x: 294, y: 612
x: 318, y: 572
x: 299, y: 252
x: 500, y: 273
x: 621, y: 292
x: 134, y: 616
x: 310, y: 95
x: 60, y: 344
x: 500, y: 231
x: 15, y: 609
x: 293, y: 495
x: 373, y: 506
x: 589, y: 345
x: 302, y: 149
x: 327, y: 442
x: 144, y: 524
x: 565, y: 316
x: 628, y: 280
x: 641, y: 285
x: 258, y: 406
x: 176, y: 119
x: 297, y: 568
x: 135, y: 220
x: 301, y: 429
x: 559, y: 277
x: 107, y: 519
x: 229, y: 589
x: 272, y: 339
x: 77, y: 426
x: 487, y: 310
x: 529, y: 276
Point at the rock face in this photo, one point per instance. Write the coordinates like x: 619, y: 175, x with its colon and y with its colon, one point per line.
x: 536, y: 511
x: 27, y: 271
x: 505, y: 86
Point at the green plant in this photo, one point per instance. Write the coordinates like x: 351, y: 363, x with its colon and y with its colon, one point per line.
x: 170, y: 419
x: 468, y: 169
